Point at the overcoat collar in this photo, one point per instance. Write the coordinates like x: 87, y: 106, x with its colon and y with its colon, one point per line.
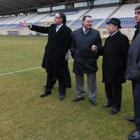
x: 136, y: 31
x: 59, y: 31
x: 115, y: 35
x: 137, y: 26
x: 82, y: 32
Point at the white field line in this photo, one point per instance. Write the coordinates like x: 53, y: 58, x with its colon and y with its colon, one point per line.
x: 9, y: 73
x: 19, y: 71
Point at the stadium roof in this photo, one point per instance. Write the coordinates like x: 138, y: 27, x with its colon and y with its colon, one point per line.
x: 11, y: 6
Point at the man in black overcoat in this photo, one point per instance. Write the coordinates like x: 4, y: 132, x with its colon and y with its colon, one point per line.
x: 59, y: 40
x: 114, y: 64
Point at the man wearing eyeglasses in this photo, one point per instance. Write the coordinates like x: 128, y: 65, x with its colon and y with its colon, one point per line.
x: 59, y: 40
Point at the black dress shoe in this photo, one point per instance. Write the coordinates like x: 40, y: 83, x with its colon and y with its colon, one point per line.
x: 77, y: 99
x: 93, y: 102
x: 114, y: 111
x: 134, y: 136
x: 45, y: 94
x: 61, y: 97
x: 130, y: 119
x: 107, y: 105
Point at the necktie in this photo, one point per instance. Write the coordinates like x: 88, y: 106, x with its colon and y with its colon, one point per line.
x: 86, y: 32
x: 57, y: 28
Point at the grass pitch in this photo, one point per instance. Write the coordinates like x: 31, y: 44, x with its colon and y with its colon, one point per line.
x: 25, y: 116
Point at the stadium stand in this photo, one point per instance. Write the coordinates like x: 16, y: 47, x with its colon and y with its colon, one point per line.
x: 127, y: 22
x: 75, y: 17
x: 97, y: 14
x: 37, y: 18
x: 100, y: 16
x: 126, y: 10
x: 125, y: 14
x: 101, y: 13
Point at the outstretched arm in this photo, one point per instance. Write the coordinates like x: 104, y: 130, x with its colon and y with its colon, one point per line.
x: 34, y: 27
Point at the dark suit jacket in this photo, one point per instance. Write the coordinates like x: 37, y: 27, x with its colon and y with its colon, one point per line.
x: 56, y: 48
x: 84, y: 57
x: 115, y: 58
x: 133, y: 62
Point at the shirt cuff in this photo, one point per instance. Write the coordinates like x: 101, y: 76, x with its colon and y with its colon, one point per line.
x: 30, y: 26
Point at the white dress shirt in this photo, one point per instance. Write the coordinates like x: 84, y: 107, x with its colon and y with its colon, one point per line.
x: 58, y: 27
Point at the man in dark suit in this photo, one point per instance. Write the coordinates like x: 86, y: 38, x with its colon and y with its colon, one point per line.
x: 114, y: 64
x: 133, y: 74
x: 59, y: 40
x: 86, y: 45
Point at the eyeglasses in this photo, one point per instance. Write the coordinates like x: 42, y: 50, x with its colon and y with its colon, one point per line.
x: 56, y: 17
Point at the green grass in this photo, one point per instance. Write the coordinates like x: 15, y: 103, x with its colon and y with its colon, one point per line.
x: 25, y: 116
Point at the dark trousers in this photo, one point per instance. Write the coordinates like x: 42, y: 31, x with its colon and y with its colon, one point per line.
x: 136, y: 96
x: 114, y: 94
x: 51, y: 79
x: 67, y: 76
